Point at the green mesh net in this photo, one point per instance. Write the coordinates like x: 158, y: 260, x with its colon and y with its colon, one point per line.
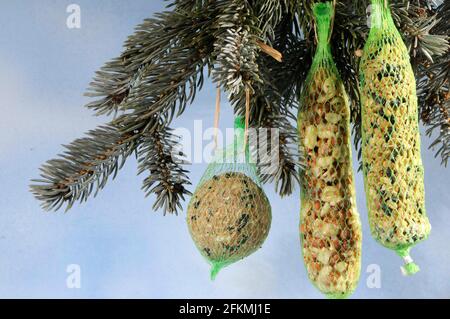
x: 329, y: 224
x: 229, y: 215
x: 392, y: 165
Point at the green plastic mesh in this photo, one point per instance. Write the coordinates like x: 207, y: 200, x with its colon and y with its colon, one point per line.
x: 329, y: 224
x: 392, y: 165
x: 229, y: 215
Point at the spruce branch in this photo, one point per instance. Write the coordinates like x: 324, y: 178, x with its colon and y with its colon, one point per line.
x: 268, y: 113
x: 159, y: 156
x: 285, y: 176
x: 270, y: 13
x: 433, y: 88
x: 236, y: 49
x: 241, y: 65
x: 350, y: 32
x: 171, y: 82
x: 434, y: 97
x: 152, y: 40
x: 114, y: 81
x: 84, y: 168
x: 415, y: 22
x: 163, y: 66
x: 276, y: 101
x: 72, y: 177
x: 287, y: 78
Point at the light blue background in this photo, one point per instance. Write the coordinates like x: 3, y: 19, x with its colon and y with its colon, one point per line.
x: 123, y: 248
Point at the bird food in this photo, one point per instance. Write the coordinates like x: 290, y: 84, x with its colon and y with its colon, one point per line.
x: 330, y: 226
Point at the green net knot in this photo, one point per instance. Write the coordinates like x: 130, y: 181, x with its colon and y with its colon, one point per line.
x: 235, y: 152
x: 338, y: 296
x: 409, y: 268
x: 323, y: 14
x: 240, y: 146
x: 216, y: 267
x: 381, y: 3
x: 239, y: 123
x: 381, y: 14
